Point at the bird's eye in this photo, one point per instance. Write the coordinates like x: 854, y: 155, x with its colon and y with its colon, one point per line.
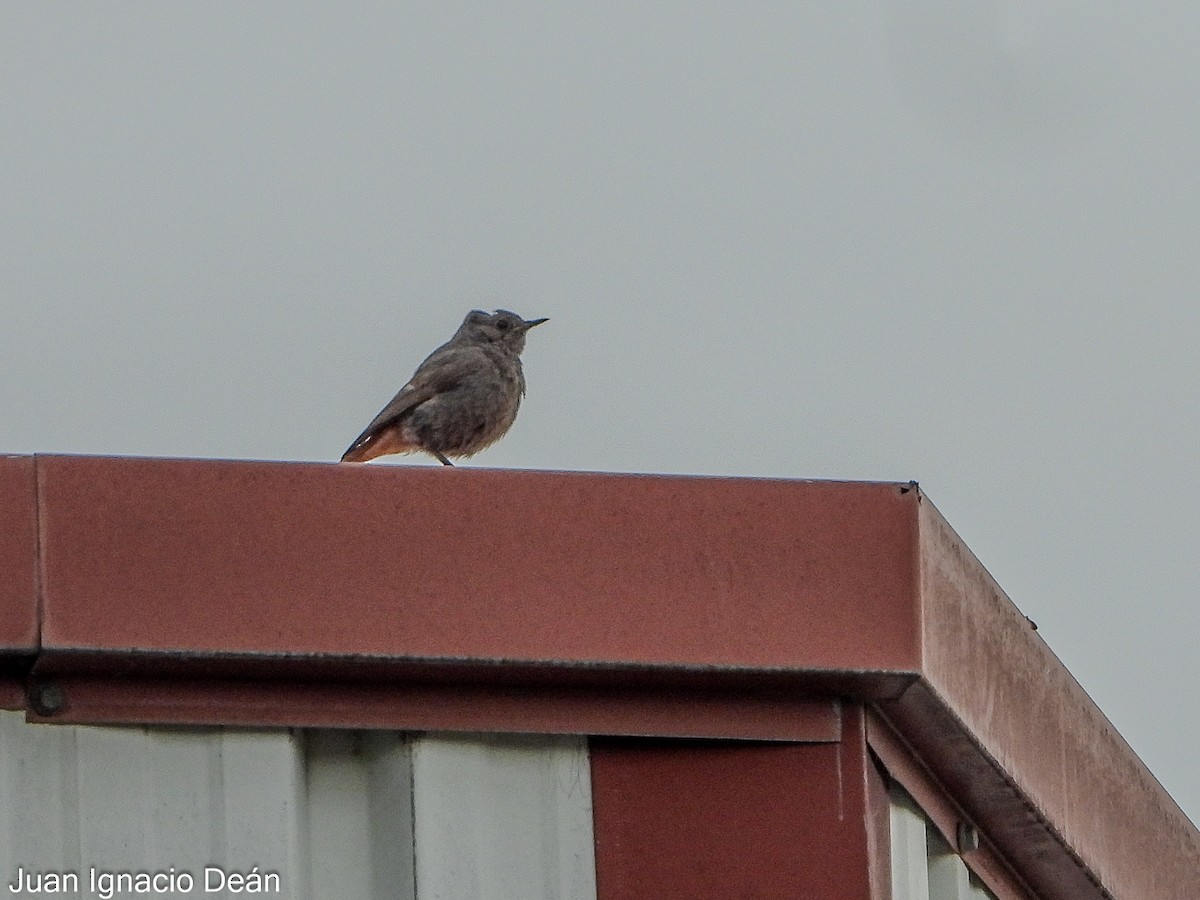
x: 504, y: 324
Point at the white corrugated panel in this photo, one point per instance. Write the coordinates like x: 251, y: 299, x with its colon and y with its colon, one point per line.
x: 360, y: 815
x: 949, y: 877
x: 910, y: 869
x: 924, y: 866
x: 39, y: 803
x: 352, y: 815
x: 112, y: 803
x: 503, y: 818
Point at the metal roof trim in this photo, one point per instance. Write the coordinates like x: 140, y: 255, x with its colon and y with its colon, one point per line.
x: 572, y: 600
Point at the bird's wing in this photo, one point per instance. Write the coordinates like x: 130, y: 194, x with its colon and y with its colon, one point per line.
x: 442, y: 371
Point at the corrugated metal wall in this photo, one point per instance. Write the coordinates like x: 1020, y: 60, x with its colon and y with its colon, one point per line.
x: 503, y: 817
x: 335, y: 814
x: 924, y: 866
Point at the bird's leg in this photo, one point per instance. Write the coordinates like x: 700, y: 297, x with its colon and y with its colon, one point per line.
x: 442, y: 459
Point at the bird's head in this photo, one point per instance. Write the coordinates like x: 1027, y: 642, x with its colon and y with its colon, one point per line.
x: 500, y: 327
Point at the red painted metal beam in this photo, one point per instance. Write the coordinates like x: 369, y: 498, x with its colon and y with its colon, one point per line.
x: 1020, y: 745
x: 538, y: 708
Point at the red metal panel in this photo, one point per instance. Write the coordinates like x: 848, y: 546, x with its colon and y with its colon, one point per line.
x: 718, y: 820
x: 221, y: 557
x: 992, y: 683
x: 18, y: 555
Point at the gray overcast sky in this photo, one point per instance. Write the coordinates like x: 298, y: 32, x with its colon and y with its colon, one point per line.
x: 923, y: 239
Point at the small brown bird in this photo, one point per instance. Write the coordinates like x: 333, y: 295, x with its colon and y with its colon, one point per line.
x: 464, y: 397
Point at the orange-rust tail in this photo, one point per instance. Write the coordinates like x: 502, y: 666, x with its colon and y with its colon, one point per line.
x: 380, y: 443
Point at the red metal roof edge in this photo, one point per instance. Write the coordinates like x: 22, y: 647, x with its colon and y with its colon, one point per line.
x: 342, y: 561
x: 958, y: 770
x: 255, y: 558
x: 1001, y: 721
x: 132, y: 662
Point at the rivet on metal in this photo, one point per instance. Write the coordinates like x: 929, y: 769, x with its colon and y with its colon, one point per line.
x: 46, y: 698
x: 968, y: 837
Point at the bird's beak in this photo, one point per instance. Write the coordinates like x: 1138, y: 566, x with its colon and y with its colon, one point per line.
x: 529, y: 323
